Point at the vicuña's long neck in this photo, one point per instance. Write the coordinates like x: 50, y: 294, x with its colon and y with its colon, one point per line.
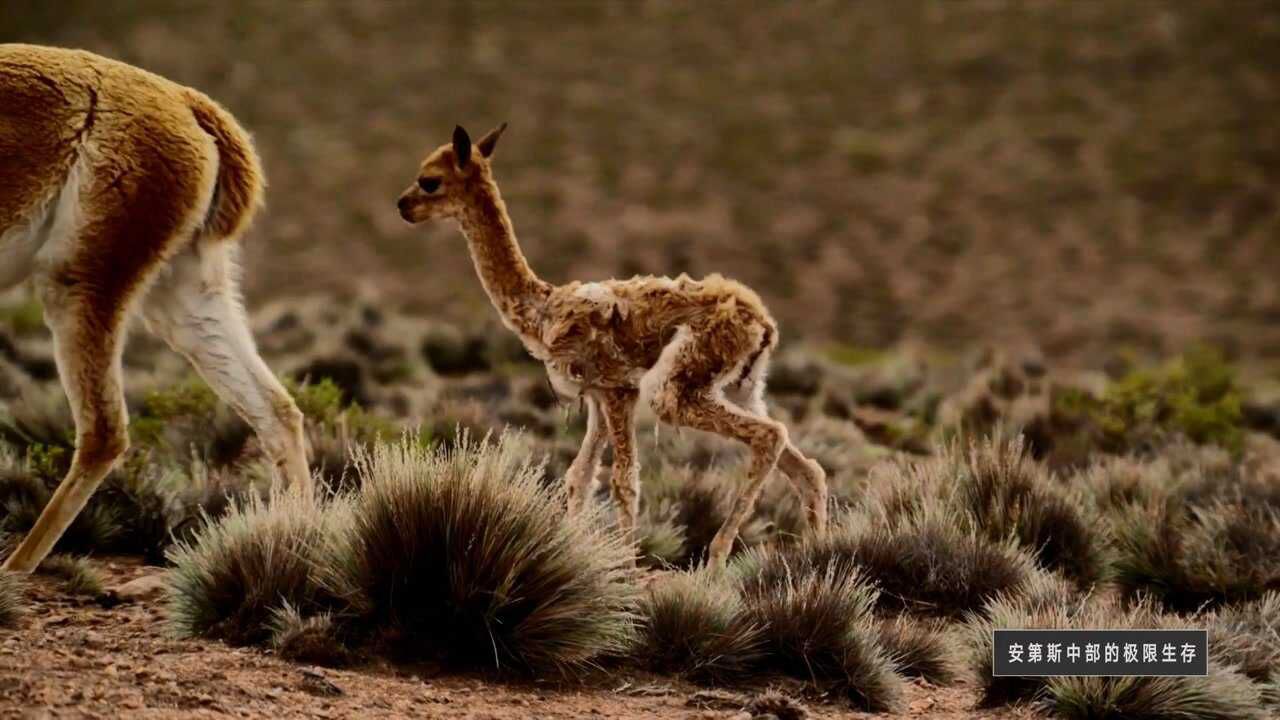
x: 515, y: 290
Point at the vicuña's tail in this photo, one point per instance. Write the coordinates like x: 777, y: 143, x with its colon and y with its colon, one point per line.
x: 238, y: 193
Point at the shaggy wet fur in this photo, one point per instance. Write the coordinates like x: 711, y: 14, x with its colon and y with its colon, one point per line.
x: 114, y: 180
x: 696, y: 350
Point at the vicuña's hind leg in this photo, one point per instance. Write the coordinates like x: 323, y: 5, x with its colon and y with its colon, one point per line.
x: 87, y: 345
x: 807, y: 477
x: 581, y: 476
x: 810, y: 480
x: 690, y: 394
x: 196, y: 309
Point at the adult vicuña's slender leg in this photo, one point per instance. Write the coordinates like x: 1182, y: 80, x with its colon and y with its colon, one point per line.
x: 196, y: 309
x: 87, y: 349
x: 581, y: 476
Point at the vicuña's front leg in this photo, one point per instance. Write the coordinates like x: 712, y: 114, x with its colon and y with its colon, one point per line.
x: 87, y: 340
x: 624, y: 481
x: 580, y: 479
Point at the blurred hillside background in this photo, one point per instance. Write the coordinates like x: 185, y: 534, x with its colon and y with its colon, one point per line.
x: 1087, y: 175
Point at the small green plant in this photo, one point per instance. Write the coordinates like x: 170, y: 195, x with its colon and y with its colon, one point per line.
x: 1195, y: 396
x: 853, y: 355
x: 191, y: 398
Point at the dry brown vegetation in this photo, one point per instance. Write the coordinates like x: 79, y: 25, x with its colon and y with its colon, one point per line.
x: 1090, y: 175
x: 1016, y: 252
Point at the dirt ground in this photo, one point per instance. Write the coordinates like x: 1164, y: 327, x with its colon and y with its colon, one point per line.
x: 75, y: 658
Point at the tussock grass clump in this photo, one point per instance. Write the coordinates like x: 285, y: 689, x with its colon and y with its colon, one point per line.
x: 1247, y: 635
x: 228, y: 581
x: 25, y: 488
x: 1192, y: 528
x: 925, y: 563
x: 460, y: 555
x: 694, y: 623
x: 1010, y: 611
x: 1009, y: 495
x: 661, y: 538
x: 314, y: 639
x: 815, y: 616
x: 1221, y: 695
x: 995, y: 491
x: 1188, y: 557
x: 1224, y: 693
x: 12, y: 588
x: 76, y: 574
x: 920, y: 648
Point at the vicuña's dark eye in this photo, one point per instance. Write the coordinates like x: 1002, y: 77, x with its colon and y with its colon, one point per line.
x: 429, y: 184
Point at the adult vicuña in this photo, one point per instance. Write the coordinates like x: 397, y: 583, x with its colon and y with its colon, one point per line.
x: 114, y: 181
x: 697, y: 350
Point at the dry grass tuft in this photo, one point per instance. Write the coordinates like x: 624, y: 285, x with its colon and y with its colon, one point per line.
x: 228, y: 581
x: 776, y: 704
x: 694, y: 623
x: 1189, y: 556
x: 76, y: 574
x: 1247, y: 636
x: 921, y: 648
x: 815, y: 614
x: 1224, y: 693
x: 12, y: 605
x: 925, y: 563
x: 459, y: 555
x: 314, y: 640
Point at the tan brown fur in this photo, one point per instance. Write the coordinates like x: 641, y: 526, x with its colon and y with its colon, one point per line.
x: 681, y: 343
x: 114, y: 180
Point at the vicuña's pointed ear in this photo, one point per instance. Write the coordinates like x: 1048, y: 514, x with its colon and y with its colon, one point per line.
x: 490, y: 140
x: 461, y: 146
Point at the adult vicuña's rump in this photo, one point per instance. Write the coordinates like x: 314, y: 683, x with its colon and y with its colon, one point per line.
x: 122, y: 190
x: 696, y: 350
